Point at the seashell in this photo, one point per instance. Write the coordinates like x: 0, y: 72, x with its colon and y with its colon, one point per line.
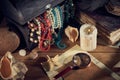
x: 72, y: 33
x: 6, y: 67
x: 10, y: 68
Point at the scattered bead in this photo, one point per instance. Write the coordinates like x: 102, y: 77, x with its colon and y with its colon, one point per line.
x: 22, y: 52
x: 31, y: 39
x: 35, y: 41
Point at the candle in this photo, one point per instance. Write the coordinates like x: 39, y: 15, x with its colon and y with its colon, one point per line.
x: 88, y: 37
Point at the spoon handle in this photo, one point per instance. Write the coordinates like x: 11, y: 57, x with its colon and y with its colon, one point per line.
x: 63, y: 72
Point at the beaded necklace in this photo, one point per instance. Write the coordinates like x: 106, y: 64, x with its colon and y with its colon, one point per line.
x: 52, y: 18
x: 34, y: 30
x: 46, y: 27
x: 58, y: 28
x: 40, y: 32
x: 46, y: 33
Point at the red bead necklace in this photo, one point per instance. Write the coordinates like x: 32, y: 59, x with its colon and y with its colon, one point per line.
x: 46, y: 33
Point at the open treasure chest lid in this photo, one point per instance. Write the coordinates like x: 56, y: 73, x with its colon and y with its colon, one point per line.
x: 22, y: 11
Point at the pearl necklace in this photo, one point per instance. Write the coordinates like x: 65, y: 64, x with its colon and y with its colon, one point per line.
x: 39, y: 29
x: 55, y: 16
x: 43, y: 26
x: 58, y: 29
x: 58, y: 14
x: 52, y: 18
x: 34, y: 30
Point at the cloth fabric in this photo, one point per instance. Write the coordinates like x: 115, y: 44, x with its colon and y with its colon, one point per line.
x: 22, y: 11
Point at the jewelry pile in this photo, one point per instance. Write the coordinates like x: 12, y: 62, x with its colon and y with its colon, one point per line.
x: 46, y: 29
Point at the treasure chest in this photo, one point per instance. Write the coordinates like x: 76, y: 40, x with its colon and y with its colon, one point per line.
x: 36, y: 22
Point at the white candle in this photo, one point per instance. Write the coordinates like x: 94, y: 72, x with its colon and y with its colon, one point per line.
x: 88, y: 37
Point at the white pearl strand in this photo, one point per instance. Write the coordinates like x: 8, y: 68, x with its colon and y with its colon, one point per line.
x: 58, y: 19
x: 37, y: 32
x: 52, y: 19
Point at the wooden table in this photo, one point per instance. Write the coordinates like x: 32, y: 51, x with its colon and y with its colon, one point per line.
x: 107, y: 55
